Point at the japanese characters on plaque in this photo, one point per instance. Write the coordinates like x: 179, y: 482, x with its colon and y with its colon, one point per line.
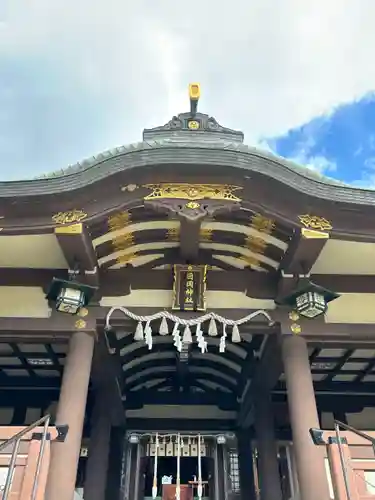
x: 189, y: 288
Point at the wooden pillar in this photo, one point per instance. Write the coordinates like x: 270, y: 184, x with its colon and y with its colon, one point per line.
x: 246, y: 466
x: 97, y: 463
x: 269, y: 476
x: 71, y: 411
x: 311, y: 471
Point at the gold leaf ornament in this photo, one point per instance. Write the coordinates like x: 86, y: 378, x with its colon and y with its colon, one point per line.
x: 315, y: 222
x: 69, y: 217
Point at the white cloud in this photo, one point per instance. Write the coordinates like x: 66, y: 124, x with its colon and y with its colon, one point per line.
x: 265, y: 66
x: 367, y: 177
x: 318, y: 163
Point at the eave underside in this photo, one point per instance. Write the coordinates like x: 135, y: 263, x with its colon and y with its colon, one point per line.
x: 254, y: 252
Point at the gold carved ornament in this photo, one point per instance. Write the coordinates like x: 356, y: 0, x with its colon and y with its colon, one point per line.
x: 192, y: 205
x: 294, y: 326
x: 119, y: 221
x: 125, y: 259
x: 193, y: 125
x: 192, y: 192
x: 173, y: 234
x: 120, y: 243
x: 69, y: 217
x: 205, y: 235
x: 315, y: 222
x: 257, y: 244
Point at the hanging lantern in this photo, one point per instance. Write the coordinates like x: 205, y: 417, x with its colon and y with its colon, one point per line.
x: 309, y: 300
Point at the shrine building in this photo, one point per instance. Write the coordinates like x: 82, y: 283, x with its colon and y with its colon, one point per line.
x: 187, y: 318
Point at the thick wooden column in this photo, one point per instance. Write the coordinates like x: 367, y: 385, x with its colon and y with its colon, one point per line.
x: 246, y: 466
x: 311, y: 472
x: 97, y: 464
x: 71, y: 411
x: 269, y: 476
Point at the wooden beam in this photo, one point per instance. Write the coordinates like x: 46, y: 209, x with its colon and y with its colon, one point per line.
x: 137, y: 399
x: 177, y: 424
x: 328, y: 402
x: 303, y: 251
x: 338, y: 388
x: 58, y: 324
x: 77, y: 247
x: 27, y: 382
x: 118, y: 282
x: 189, y: 239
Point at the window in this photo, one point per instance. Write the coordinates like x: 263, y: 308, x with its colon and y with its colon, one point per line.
x: 234, y: 471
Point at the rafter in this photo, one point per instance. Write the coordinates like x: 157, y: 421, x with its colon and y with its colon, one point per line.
x: 144, y: 377
x: 30, y: 382
x: 219, y: 367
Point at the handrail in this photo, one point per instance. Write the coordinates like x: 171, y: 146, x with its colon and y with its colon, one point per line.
x: 22, y: 433
x: 16, y: 440
x: 342, y: 458
x: 355, y: 431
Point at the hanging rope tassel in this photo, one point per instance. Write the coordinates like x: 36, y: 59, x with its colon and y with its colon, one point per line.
x: 236, y: 337
x: 163, y: 329
x: 155, y: 480
x: 199, y: 489
x: 138, y: 335
x: 178, y: 489
x: 187, y: 337
x: 202, y: 344
x: 148, y: 335
x: 212, y: 328
x: 176, y: 337
x: 223, y: 339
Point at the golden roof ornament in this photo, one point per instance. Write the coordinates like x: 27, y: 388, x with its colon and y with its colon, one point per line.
x: 193, y: 125
x: 194, y: 94
x: 315, y: 222
x: 69, y: 217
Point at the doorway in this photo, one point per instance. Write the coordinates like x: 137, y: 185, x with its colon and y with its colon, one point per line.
x: 167, y: 466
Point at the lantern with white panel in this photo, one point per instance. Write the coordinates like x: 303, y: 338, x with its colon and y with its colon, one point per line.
x: 69, y: 296
x: 309, y: 300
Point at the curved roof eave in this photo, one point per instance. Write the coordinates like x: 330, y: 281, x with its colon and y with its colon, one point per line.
x: 223, y: 153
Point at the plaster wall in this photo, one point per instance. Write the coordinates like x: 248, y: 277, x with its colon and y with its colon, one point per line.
x: 352, y: 308
x: 346, y: 257
x: 164, y: 298
x: 36, y: 251
x: 23, y: 302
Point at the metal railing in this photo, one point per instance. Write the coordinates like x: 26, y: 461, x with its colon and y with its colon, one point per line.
x: 16, y: 441
x: 340, y: 425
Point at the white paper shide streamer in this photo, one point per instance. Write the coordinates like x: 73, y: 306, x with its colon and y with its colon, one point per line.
x: 178, y: 481
x: 155, y: 479
x: 184, y: 330
x: 199, y: 489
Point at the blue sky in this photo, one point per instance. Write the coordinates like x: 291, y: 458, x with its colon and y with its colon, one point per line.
x: 77, y: 78
x: 340, y: 144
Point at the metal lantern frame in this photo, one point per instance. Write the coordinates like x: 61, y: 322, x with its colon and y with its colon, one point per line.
x: 309, y: 299
x: 56, y: 293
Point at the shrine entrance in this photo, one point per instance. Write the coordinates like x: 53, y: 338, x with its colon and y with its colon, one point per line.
x: 180, y: 466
